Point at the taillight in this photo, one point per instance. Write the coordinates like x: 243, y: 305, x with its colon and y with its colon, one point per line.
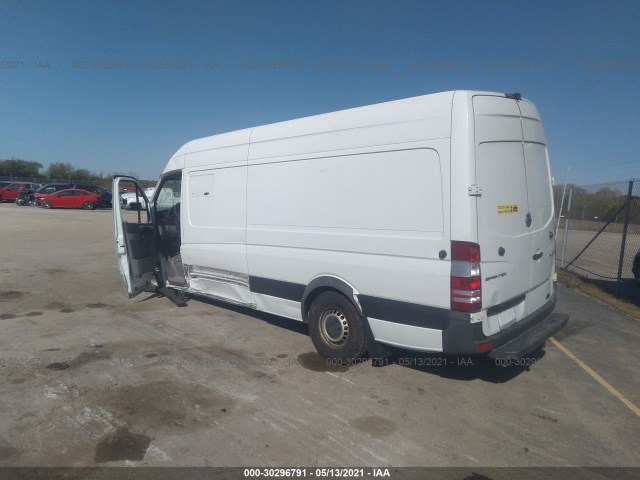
x: 466, y: 283
x: 484, y: 347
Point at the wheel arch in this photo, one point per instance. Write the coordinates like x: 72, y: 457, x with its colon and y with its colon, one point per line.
x: 327, y: 283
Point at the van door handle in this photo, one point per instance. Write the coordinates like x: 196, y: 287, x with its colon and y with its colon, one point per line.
x: 537, y: 256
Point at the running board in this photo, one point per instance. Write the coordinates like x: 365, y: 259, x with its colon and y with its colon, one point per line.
x: 171, y: 295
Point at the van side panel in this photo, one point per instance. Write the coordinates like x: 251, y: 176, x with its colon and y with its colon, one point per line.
x: 402, y: 121
x: 375, y: 220
x: 361, y: 195
x: 379, y: 191
x: 214, y: 223
x: 213, y: 219
x: 378, y: 232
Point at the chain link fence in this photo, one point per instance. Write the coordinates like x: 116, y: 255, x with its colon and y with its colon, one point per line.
x: 598, y: 234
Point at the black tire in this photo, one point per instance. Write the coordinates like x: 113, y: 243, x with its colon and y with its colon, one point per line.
x: 336, y: 328
x: 46, y: 204
x: 88, y: 206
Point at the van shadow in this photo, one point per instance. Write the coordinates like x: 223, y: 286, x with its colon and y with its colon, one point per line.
x: 275, y: 320
x: 454, y: 367
x: 465, y: 367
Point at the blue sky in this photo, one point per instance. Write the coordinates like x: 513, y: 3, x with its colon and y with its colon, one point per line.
x: 121, y: 85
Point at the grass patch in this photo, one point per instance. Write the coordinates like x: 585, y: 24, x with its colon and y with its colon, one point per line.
x: 573, y: 281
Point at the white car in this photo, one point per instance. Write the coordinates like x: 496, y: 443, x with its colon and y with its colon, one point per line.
x: 127, y: 198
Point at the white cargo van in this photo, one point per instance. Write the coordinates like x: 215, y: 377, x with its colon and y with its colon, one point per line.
x: 424, y: 223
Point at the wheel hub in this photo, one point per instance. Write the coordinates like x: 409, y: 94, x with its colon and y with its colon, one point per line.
x: 334, y: 327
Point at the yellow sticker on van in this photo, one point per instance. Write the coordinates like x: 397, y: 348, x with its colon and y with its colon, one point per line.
x: 507, y: 209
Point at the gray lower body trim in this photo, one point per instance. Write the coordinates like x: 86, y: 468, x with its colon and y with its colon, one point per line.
x: 380, y: 308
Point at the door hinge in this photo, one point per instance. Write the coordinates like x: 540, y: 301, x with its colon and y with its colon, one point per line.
x: 475, y: 190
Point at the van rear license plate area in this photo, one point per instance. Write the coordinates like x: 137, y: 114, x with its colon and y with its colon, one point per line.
x: 506, y: 318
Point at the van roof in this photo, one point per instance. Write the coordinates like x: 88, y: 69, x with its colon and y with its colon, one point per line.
x: 403, y: 110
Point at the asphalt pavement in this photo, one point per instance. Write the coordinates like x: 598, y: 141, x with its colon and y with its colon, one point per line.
x: 90, y: 378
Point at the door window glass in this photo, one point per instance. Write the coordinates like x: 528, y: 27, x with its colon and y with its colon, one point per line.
x: 169, y: 195
x: 539, y: 186
x: 132, y: 203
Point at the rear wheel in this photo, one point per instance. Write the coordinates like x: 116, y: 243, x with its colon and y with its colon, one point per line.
x: 88, y: 206
x: 335, y: 327
x: 46, y: 204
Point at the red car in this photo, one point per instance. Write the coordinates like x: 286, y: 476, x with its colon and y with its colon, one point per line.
x: 70, y: 198
x: 9, y: 193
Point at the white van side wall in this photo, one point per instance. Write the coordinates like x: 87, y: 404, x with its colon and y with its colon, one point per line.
x: 368, y: 204
x: 361, y: 195
x: 374, y: 219
x: 213, y: 226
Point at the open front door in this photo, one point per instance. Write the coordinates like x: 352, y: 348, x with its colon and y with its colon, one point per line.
x: 136, y: 238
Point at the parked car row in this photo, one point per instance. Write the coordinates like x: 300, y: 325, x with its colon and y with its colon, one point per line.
x: 56, y: 195
x: 9, y: 191
x: 67, y: 195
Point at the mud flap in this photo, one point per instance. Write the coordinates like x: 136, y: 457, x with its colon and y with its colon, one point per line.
x: 377, y: 352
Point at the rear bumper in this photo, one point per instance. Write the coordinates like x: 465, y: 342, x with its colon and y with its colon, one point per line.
x: 530, y: 339
x: 464, y: 337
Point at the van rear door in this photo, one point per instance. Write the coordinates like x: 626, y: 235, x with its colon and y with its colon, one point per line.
x: 515, y: 210
x: 540, y: 197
